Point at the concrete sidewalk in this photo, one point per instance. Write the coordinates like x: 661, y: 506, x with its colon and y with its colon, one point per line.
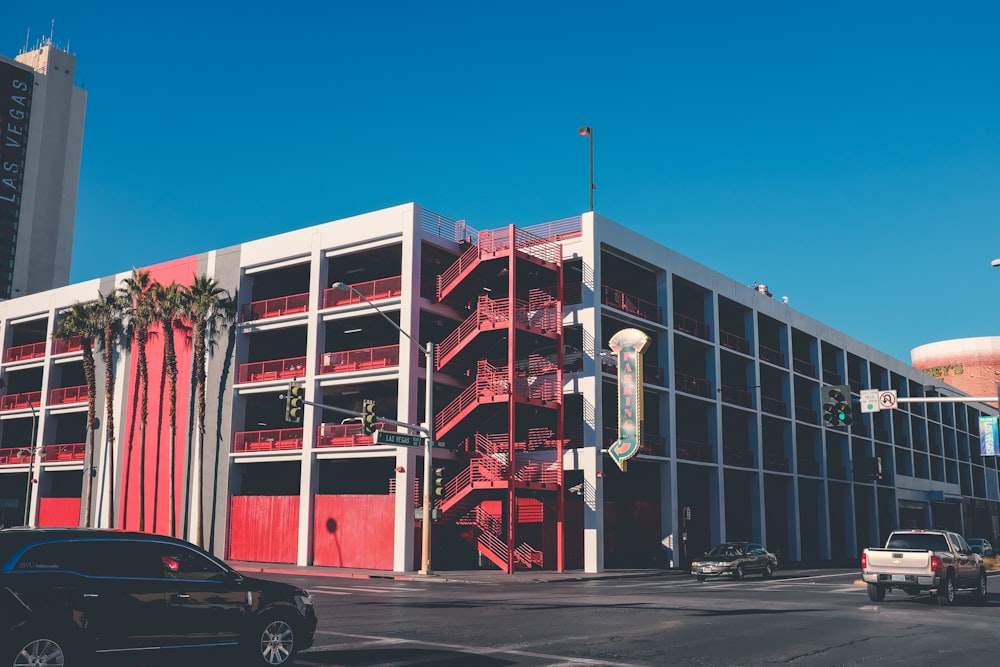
x: 449, y: 576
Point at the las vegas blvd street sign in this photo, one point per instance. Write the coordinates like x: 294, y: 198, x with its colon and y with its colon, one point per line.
x: 401, y: 439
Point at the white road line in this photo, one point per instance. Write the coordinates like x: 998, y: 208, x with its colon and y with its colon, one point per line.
x: 365, y: 589
x: 476, y: 650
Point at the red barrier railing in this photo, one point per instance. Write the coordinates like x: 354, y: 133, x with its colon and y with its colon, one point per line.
x: 15, y: 455
x: 631, y: 304
x: 23, y: 352
x: 23, y: 401
x: 62, y: 345
x: 359, y: 360
x: 65, y: 395
x: 276, y: 369
x: 373, y: 290
x: 347, y: 435
x: 283, y: 305
x: 71, y: 452
x: 267, y: 441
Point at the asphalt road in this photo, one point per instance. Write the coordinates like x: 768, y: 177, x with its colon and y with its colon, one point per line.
x: 818, y: 617
x: 798, y: 618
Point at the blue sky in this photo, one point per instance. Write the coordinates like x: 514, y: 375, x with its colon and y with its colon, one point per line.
x: 846, y: 154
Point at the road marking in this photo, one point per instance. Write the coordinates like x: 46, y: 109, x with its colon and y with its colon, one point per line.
x: 365, y: 589
x: 475, y: 650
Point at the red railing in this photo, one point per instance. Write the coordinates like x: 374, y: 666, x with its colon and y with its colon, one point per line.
x: 771, y: 355
x: 631, y: 304
x: 63, y: 345
x: 71, y: 452
x: 734, y: 342
x: 282, y: 305
x: 557, y: 230
x: 267, y: 441
x: 23, y: 401
x: 15, y: 455
x: 359, y: 360
x: 347, y: 435
x: 483, y: 469
x: 23, y: 352
x: 536, y: 472
x: 736, y: 396
x: 65, y: 395
x: 693, y: 385
x: 540, y: 311
x: 694, y: 451
x: 276, y: 369
x: 373, y: 290
x: 690, y: 325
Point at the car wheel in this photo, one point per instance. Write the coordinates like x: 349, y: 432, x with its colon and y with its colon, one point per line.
x: 946, y: 591
x: 768, y: 571
x: 39, y: 648
x: 271, y: 642
x: 876, y: 593
x: 738, y: 573
x: 979, y: 594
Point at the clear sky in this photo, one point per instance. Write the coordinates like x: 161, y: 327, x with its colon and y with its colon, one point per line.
x: 847, y: 154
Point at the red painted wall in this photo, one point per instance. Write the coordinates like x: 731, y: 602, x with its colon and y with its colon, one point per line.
x: 157, y: 450
x: 353, y: 531
x: 61, y: 512
x: 263, y: 529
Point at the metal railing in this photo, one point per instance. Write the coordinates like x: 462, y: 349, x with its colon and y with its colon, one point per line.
x: 734, y: 342
x: 282, y: 305
x: 693, y: 385
x: 372, y: 290
x: 65, y: 345
x: 364, y: 359
x: 24, y: 352
x: 64, y: 395
x: 771, y: 356
x: 23, y: 401
x: 692, y: 326
x: 268, y: 441
x: 276, y: 369
x: 630, y: 304
x: 67, y: 452
x: 692, y: 450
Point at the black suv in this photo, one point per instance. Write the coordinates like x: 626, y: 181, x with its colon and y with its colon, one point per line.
x: 66, y: 594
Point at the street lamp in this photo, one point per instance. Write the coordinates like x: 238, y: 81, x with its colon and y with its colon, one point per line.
x: 32, y: 451
x: 587, y: 131
x: 428, y: 352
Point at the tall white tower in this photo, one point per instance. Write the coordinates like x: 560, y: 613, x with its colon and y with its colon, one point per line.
x: 41, y: 143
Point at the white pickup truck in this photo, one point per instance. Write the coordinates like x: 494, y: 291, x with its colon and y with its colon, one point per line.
x: 920, y: 561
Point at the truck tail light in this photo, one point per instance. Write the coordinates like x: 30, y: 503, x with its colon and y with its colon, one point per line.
x: 864, y: 561
x: 935, y: 564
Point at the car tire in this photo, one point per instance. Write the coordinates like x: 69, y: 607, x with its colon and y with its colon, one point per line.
x: 946, y: 591
x: 38, y: 648
x: 738, y: 573
x: 979, y: 593
x: 271, y: 641
x: 768, y: 571
x: 876, y: 593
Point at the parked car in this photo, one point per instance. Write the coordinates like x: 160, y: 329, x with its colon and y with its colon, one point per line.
x: 70, y: 595
x: 981, y: 546
x: 736, y: 560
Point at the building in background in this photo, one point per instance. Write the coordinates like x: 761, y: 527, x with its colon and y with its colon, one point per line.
x: 41, y: 143
x: 969, y: 364
x: 526, y: 322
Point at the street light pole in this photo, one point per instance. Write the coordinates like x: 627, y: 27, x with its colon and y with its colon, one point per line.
x: 428, y: 352
x: 31, y: 463
x: 587, y: 131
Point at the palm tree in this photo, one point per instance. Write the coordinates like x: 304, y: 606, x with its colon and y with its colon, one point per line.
x: 171, y: 305
x: 80, y: 321
x: 140, y: 312
x: 107, y: 316
x: 210, y: 309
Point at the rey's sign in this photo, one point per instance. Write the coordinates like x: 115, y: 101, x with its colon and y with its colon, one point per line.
x: 628, y: 345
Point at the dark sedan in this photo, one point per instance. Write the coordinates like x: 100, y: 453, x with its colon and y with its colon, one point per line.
x: 736, y: 560
x: 68, y: 595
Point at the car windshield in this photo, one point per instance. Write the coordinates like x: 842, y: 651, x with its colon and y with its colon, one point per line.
x: 726, y: 550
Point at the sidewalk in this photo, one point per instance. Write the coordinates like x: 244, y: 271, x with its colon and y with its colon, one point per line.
x: 448, y: 576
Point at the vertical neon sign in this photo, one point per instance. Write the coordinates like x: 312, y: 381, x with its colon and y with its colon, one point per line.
x: 628, y: 345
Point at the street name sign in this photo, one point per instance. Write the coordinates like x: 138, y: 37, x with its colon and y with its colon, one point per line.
x: 401, y: 439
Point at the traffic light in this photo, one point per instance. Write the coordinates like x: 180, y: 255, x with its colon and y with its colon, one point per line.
x: 368, y: 416
x: 294, y: 403
x: 439, y: 482
x: 837, y: 405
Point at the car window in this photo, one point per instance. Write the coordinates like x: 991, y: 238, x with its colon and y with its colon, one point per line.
x: 49, y: 556
x: 128, y: 559
x: 962, y: 544
x: 922, y: 541
x: 179, y: 562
